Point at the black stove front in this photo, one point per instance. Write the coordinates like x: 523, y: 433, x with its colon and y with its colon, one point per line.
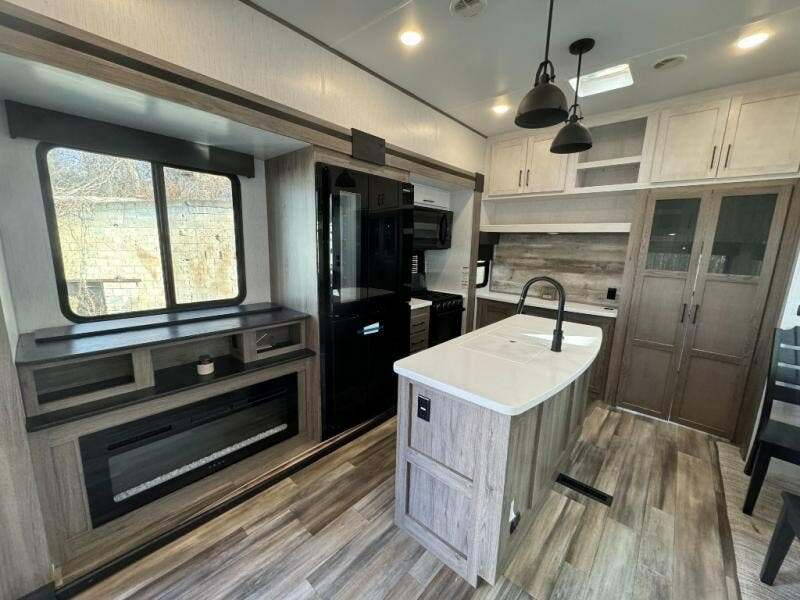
x: 446, y: 314
x: 129, y: 465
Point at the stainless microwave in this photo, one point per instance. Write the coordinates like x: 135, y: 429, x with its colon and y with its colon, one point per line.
x: 432, y: 228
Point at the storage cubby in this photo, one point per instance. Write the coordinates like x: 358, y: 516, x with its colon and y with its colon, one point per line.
x: 615, y: 141
x: 188, y: 353
x: 615, y: 157
x: 268, y: 342
x: 73, y: 379
x: 607, y: 175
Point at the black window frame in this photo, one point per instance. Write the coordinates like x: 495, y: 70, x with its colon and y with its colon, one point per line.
x: 160, y: 199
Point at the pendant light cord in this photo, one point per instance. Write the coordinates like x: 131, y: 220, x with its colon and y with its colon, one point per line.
x: 577, y: 82
x: 542, y: 72
x: 549, y: 25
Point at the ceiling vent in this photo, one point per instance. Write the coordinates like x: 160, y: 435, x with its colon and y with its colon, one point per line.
x: 467, y: 8
x: 669, y: 62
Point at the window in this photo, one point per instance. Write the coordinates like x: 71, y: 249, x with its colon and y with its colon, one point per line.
x: 136, y: 237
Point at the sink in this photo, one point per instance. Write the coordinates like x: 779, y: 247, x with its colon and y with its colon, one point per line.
x: 508, y: 344
x: 568, y: 340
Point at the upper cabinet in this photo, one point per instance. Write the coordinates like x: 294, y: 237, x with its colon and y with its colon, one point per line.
x: 689, y: 141
x: 544, y: 171
x: 750, y: 135
x: 762, y: 136
x: 508, y: 161
x: 526, y: 165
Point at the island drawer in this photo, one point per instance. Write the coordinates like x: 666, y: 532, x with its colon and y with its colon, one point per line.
x: 432, y: 428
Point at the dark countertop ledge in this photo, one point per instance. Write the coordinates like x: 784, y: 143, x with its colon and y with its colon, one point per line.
x: 138, y: 332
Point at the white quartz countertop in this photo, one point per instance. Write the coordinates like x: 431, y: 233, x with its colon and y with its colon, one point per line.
x: 418, y: 303
x: 573, y: 307
x: 508, y: 366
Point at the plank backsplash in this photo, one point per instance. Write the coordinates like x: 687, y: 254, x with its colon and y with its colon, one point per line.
x: 586, y: 264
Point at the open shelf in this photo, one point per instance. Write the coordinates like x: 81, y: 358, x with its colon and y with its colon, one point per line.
x: 79, y: 378
x: 610, y: 174
x: 558, y: 228
x: 168, y: 381
x: 611, y: 162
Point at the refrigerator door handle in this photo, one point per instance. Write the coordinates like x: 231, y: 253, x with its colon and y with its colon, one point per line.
x: 371, y: 329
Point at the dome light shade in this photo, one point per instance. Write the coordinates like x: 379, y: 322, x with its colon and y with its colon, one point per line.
x: 543, y: 106
x: 572, y: 138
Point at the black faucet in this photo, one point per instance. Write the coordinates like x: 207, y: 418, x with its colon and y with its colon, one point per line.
x: 558, y: 332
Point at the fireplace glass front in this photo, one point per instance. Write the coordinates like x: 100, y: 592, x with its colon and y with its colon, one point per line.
x: 132, y: 464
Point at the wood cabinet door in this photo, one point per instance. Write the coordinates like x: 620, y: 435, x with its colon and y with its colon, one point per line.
x: 507, y: 166
x: 544, y: 171
x: 689, y: 142
x: 762, y: 136
x: 492, y: 311
x: 740, y: 244
x: 662, y: 291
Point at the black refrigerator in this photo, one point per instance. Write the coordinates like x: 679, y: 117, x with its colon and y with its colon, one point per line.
x: 365, y: 236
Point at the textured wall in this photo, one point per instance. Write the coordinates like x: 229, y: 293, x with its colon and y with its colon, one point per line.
x: 586, y: 264
x: 229, y: 41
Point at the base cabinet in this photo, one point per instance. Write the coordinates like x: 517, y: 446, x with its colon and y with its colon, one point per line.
x: 470, y: 481
x: 491, y: 311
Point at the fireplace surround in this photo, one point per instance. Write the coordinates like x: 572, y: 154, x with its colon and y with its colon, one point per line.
x: 130, y: 465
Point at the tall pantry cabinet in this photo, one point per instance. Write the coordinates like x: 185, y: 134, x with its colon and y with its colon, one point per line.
x: 703, y: 273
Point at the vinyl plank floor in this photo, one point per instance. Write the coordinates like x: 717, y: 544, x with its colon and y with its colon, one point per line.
x: 328, y: 532
x: 751, y: 534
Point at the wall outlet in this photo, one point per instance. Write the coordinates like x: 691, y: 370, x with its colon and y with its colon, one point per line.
x: 465, y: 277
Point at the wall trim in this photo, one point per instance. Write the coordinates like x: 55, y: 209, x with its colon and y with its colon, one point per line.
x: 269, y: 14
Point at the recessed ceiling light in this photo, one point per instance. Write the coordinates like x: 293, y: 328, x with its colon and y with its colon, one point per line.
x: 604, y: 80
x: 500, y: 109
x: 411, y: 38
x: 752, y: 40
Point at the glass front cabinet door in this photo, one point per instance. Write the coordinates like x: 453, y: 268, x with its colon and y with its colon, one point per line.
x: 699, y: 293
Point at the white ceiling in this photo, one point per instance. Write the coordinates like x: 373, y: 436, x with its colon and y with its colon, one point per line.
x: 48, y: 87
x: 465, y: 66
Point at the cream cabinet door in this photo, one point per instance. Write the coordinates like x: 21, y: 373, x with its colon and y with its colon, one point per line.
x: 689, y: 142
x: 545, y: 171
x: 507, y: 166
x: 763, y: 135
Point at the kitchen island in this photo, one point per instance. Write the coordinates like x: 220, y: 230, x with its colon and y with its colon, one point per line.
x: 483, y: 422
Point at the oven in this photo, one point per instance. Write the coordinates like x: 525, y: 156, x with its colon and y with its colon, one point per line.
x: 432, y: 228
x: 445, y: 326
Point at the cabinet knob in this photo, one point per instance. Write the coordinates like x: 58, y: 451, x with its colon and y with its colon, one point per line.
x: 713, y: 156
x: 519, y: 179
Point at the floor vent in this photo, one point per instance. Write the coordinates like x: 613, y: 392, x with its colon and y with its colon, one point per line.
x: 584, y: 489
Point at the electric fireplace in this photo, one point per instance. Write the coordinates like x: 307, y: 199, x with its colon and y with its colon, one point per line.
x: 129, y: 465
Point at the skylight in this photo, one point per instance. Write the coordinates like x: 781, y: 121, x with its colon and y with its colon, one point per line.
x: 604, y: 80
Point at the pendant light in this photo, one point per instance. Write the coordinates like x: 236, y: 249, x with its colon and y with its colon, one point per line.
x: 574, y: 137
x: 545, y: 104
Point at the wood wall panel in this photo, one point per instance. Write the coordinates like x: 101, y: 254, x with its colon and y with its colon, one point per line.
x: 586, y: 264
x: 292, y: 233
x: 24, y: 557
